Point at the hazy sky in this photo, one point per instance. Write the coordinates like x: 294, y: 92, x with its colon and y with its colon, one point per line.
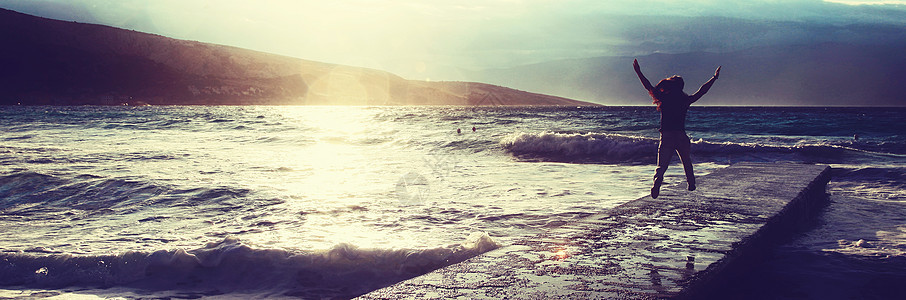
x: 423, y: 38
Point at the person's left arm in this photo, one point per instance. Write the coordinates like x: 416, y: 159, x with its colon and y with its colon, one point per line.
x: 705, y: 87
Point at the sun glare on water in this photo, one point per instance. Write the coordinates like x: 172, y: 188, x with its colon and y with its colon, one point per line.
x: 333, y: 172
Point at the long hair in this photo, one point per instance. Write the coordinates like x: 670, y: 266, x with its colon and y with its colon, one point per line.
x: 667, y: 90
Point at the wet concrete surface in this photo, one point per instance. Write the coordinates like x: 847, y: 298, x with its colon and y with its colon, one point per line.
x: 675, y: 246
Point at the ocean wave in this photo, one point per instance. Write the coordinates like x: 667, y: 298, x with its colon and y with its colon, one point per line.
x: 879, y: 183
x: 21, y: 190
x: 85, y: 192
x: 228, y: 266
x: 578, y: 147
x: 617, y: 148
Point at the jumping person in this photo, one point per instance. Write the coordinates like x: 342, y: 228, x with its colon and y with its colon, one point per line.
x: 673, y: 103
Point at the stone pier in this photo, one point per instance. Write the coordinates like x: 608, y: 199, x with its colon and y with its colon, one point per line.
x: 675, y: 246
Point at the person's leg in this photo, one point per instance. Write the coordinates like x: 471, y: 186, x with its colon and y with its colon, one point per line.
x: 665, y: 151
x: 683, y: 148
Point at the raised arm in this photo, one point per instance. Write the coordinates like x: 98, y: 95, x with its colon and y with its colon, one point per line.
x: 705, y: 87
x: 638, y: 71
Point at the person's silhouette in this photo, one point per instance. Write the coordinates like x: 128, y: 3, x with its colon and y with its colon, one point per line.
x: 673, y: 104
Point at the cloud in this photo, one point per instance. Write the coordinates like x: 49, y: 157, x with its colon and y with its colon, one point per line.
x: 432, y: 38
x: 868, y: 2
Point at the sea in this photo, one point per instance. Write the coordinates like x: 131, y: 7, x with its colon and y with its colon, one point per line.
x: 331, y: 202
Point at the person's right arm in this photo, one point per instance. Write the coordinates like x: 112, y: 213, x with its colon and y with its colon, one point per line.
x: 638, y: 71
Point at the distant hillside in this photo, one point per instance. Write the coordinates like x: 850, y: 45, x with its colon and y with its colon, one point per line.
x: 55, y: 62
x: 819, y: 74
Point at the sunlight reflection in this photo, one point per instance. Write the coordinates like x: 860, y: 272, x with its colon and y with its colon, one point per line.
x: 560, y: 253
x: 331, y: 119
x: 335, y: 176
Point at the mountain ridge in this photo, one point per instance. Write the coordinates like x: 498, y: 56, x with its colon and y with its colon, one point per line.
x: 823, y: 74
x: 65, y: 63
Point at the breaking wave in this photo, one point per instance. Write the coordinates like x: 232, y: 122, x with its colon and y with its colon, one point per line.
x: 577, y: 147
x: 618, y: 148
x: 229, y: 266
